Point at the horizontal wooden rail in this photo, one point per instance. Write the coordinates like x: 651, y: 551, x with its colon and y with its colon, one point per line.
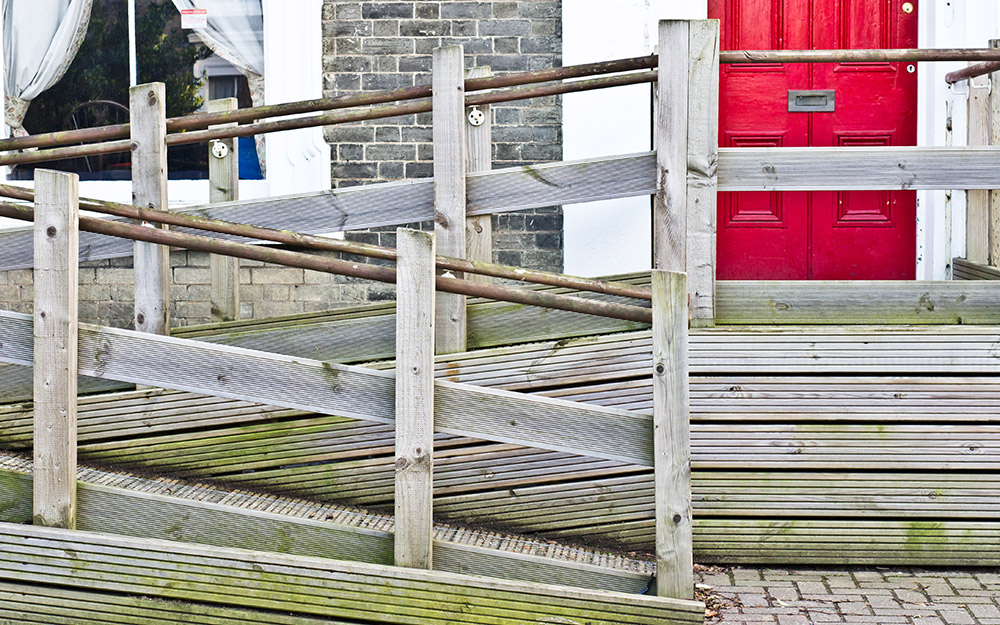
x: 341, y: 390
x: 550, y: 184
x: 340, y: 210
x: 311, y: 242
x: 856, y: 169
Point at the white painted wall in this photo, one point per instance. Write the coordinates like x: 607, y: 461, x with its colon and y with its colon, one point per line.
x: 946, y: 24
x: 298, y: 161
x: 613, y: 236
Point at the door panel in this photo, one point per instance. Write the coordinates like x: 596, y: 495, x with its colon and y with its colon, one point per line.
x: 864, y: 235
x: 820, y: 235
x: 759, y: 232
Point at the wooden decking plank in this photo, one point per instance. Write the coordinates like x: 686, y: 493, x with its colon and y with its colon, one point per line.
x: 308, y: 577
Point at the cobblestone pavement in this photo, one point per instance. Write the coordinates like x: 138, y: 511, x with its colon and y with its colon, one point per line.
x: 871, y: 596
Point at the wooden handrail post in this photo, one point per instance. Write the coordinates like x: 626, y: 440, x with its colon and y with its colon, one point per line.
x: 414, y: 398
x: 147, y: 106
x: 702, y: 167
x: 479, y: 228
x: 56, y: 329
x: 671, y: 436
x: 670, y: 202
x: 994, y: 210
x: 223, y: 186
x: 449, y: 135
x: 977, y: 227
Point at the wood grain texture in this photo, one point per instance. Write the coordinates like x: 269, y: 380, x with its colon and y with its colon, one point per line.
x: 450, y: 147
x: 18, y: 381
x: 702, y: 165
x: 393, y: 203
x: 56, y: 325
x: 965, y: 270
x: 857, y: 169
x: 147, y: 105
x: 567, y: 182
x: 671, y: 436
x: 857, y: 302
x: 132, y: 512
x: 308, y: 586
x: 977, y: 201
x: 994, y: 138
x: 671, y: 137
x: 345, y: 391
x: 479, y: 228
x: 224, y: 186
x: 549, y: 184
x: 414, y: 445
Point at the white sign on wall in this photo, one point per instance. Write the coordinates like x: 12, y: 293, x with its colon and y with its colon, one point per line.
x: 194, y: 18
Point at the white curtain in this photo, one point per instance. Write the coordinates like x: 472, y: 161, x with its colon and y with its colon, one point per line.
x: 40, y: 39
x: 235, y: 32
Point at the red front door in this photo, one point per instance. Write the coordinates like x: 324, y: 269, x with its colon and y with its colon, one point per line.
x: 856, y: 235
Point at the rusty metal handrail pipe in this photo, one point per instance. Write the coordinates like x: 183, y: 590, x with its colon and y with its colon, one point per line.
x: 199, y: 121
x: 972, y: 71
x: 613, y: 310
x: 312, y: 242
x: 329, y: 118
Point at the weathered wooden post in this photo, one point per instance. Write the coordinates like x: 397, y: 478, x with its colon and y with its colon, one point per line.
x: 994, y: 216
x: 702, y: 166
x: 671, y: 436
x: 55, y: 349
x: 415, y: 273
x: 977, y: 201
x: 479, y: 228
x: 449, y: 135
x: 223, y: 186
x: 670, y: 202
x: 687, y: 139
x: 149, y: 190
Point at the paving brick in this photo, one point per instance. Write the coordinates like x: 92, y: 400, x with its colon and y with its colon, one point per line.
x: 812, y: 587
x: 854, y: 607
x: 964, y: 581
x: 985, y: 611
x: 957, y: 617
x: 911, y: 596
x: 792, y: 619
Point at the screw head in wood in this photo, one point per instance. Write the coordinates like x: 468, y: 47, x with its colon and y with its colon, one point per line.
x: 51, y: 231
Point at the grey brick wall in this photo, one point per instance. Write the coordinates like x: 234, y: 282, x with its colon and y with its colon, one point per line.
x: 107, y: 291
x: 386, y: 45
x: 370, y: 46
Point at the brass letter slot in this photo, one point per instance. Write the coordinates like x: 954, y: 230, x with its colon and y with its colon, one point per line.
x: 818, y: 101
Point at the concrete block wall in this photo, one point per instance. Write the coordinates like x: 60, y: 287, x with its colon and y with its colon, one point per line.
x: 386, y: 45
